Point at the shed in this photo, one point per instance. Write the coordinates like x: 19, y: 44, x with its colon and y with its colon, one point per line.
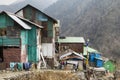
x: 14, y: 36
x: 74, y: 43
x: 72, y: 55
x: 72, y: 59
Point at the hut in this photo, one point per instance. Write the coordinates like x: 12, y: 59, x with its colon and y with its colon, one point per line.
x: 73, y: 43
x: 15, y: 40
x: 72, y: 58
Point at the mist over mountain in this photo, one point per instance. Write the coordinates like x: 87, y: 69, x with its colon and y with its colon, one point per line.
x: 97, y: 20
x: 40, y: 4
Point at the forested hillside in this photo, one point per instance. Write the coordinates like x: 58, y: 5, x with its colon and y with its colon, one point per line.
x: 98, y: 20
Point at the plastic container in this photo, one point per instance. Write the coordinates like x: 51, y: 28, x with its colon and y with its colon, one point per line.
x: 97, y: 55
x: 20, y: 66
x: 99, y: 63
x: 26, y: 66
x: 92, y: 57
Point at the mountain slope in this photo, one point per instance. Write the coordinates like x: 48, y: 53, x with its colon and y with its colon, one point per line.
x: 97, y: 20
x: 40, y: 4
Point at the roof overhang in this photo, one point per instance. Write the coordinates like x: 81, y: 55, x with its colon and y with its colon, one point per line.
x: 30, y: 22
x: 71, y: 40
x: 16, y: 19
x: 76, y: 55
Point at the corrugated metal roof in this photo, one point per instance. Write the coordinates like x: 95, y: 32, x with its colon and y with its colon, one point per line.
x: 72, y: 52
x: 20, y: 22
x: 89, y: 49
x: 30, y: 22
x: 71, y: 40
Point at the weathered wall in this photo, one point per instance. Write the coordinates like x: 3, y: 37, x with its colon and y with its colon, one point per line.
x: 74, y: 46
x: 11, y: 55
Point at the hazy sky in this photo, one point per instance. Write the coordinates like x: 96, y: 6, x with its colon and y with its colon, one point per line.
x: 7, y: 2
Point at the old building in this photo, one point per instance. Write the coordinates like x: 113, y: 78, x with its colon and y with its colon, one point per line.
x: 73, y: 43
x: 18, y: 37
x: 48, y: 33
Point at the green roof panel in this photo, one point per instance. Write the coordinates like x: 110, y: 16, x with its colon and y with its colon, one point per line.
x: 71, y: 40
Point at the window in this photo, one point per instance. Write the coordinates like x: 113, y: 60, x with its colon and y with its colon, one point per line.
x: 2, y: 31
x: 44, y: 30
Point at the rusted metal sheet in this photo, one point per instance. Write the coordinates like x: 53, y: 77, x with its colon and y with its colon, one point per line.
x: 46, y: 40
x: 24, y: 53
x: 13, y: 31
x: 29, y: 13
x: 44, y: 30
x: 77, y: 47
x: 50, y: 62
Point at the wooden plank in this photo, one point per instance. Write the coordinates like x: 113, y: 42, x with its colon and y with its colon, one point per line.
x: 10, y: 41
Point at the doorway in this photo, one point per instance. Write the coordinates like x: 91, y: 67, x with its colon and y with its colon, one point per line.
x: 1, y: 54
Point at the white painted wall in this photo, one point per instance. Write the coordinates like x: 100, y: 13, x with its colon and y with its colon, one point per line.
x: 47, y: 50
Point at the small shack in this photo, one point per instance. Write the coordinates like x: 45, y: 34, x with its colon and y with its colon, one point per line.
x: 73, y: 43
x: 72, y: 58
x: 15, y: 40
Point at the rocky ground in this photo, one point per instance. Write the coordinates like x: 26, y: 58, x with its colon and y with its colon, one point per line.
x: 38, y: 75
x: 56, y: 75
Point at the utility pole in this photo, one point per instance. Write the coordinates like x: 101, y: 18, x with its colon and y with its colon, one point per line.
x: 87, y: 43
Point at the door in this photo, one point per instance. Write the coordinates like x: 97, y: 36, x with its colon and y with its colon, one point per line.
x: 1, y: 54
x: 32, y: 45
